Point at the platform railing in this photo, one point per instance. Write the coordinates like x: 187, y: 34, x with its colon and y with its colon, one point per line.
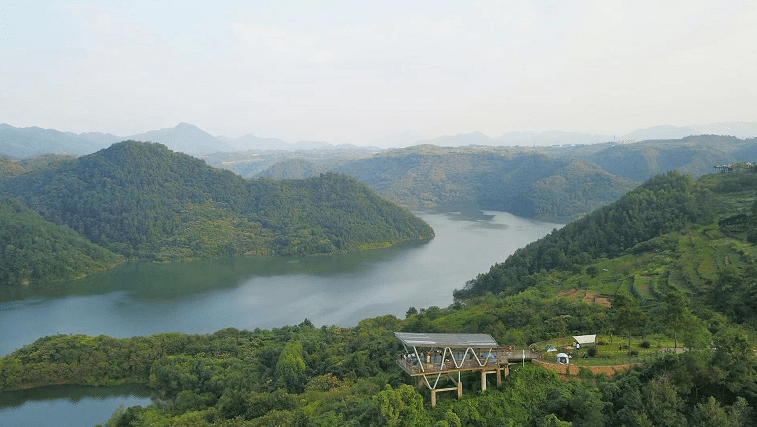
x: 481, y: 360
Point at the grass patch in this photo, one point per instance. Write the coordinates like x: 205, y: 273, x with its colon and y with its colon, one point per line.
x: 610, y: 350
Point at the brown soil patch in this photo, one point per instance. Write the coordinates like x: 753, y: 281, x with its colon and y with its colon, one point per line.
x: 570, y: 293
x: 587, y: 297
x: 604, y: 302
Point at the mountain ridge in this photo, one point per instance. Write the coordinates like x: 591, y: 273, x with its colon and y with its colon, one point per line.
x: 144, y: 201
x: 188, y: 138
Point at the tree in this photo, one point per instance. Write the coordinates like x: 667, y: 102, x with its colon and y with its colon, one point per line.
x: 627, y: 315
x: 734, y: 364
x: 676, y: 313
x: 710, y: 413
x: 402, y: 406
x: 411, y: 312
x: 290, y: 368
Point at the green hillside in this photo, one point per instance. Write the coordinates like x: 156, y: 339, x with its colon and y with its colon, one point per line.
x: 707, y: 223
x: 639, y: 161
x: 558, y: 182
x: 9, y: 167
x: 142, y: 200
x: 662, y: 204
x: 34, y: 250
x: 514, y: 180
x: 673, y: 266
x: 291, y: 169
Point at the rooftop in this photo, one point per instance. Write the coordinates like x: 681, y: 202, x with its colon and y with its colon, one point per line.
x: 446, y: 340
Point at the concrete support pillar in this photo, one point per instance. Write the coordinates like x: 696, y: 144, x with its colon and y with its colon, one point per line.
x: 459, y: 390
x: 507, y: 370
x: 499, y: 378
x: 433, y: 398
x: 483, y: 380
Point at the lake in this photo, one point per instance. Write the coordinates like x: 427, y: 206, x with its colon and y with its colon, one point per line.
x: 68, y: 405
x: 140, y: 298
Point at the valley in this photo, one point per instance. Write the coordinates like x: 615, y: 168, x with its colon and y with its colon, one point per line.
x: 669, y: 263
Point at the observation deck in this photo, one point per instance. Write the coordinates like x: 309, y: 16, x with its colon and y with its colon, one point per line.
x: 430, y: 356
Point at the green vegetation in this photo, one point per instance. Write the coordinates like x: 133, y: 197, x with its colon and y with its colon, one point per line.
x: 515, y: 180
x: 301, y: 375
x: 661, y: 205
x: 9, y: 168
x: 639, y: 161
x: 282, y: 164
x: 291, y: 169
x: 671, y: 264
x: 33, y: 249
x: 142, y: 200
x: 545, y: 182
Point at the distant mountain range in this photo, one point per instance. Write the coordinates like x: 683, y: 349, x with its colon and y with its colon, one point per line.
x: 559, y: 181
x: 185, y: 137
x: 738, y: 129
x: 639, y: 161
x: 516, y: 180
x: 550, y: 138
x: 518, y: 138
x: 188, y: 138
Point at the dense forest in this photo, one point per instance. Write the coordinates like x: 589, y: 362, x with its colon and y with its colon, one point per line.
x: 686, y: 279
x: 662, y: 204
x: 561, y: 181
x: 33, y: 249
x: 9, y: 167
x: 142, y: 200
x: 639, y: 161
x: 280, y: 164
x: 518, y: 181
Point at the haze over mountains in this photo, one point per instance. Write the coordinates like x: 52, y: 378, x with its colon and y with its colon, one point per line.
x: 190, y: 139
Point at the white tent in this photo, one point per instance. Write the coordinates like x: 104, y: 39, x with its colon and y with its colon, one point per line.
x: 585, y: 339
x: 563, y: 359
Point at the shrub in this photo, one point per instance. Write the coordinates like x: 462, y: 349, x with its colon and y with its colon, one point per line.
x: 592, y: 352
x: 645, y: 344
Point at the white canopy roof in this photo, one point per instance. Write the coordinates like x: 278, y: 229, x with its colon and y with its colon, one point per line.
x: 585, y: 339
x: 446, y: 340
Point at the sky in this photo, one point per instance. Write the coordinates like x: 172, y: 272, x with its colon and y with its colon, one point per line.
x: 357, y: 71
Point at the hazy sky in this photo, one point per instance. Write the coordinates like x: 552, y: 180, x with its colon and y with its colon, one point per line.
x: 354, y: 71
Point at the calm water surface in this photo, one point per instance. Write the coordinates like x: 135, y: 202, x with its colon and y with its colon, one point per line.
x: 246, y: 293
x: 68, y: 405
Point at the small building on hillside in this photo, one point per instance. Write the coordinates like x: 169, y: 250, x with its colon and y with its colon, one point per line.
x: 432, y: 357
x: 584, y: 340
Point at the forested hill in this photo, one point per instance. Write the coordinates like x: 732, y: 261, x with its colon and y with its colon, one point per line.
x: 514, y: 180
x: 33, y: 249
x: 9, y: 167
x: 143, y: 200
x: 290, y: 169
x: 639, y: 161
x: 692, y: 287
x: 663, y: 204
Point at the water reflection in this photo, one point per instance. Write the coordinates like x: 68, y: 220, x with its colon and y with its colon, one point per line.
x: 168, y: 280
x: 140, y: 298
x: 204, y: 296
x: 68, y: 404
